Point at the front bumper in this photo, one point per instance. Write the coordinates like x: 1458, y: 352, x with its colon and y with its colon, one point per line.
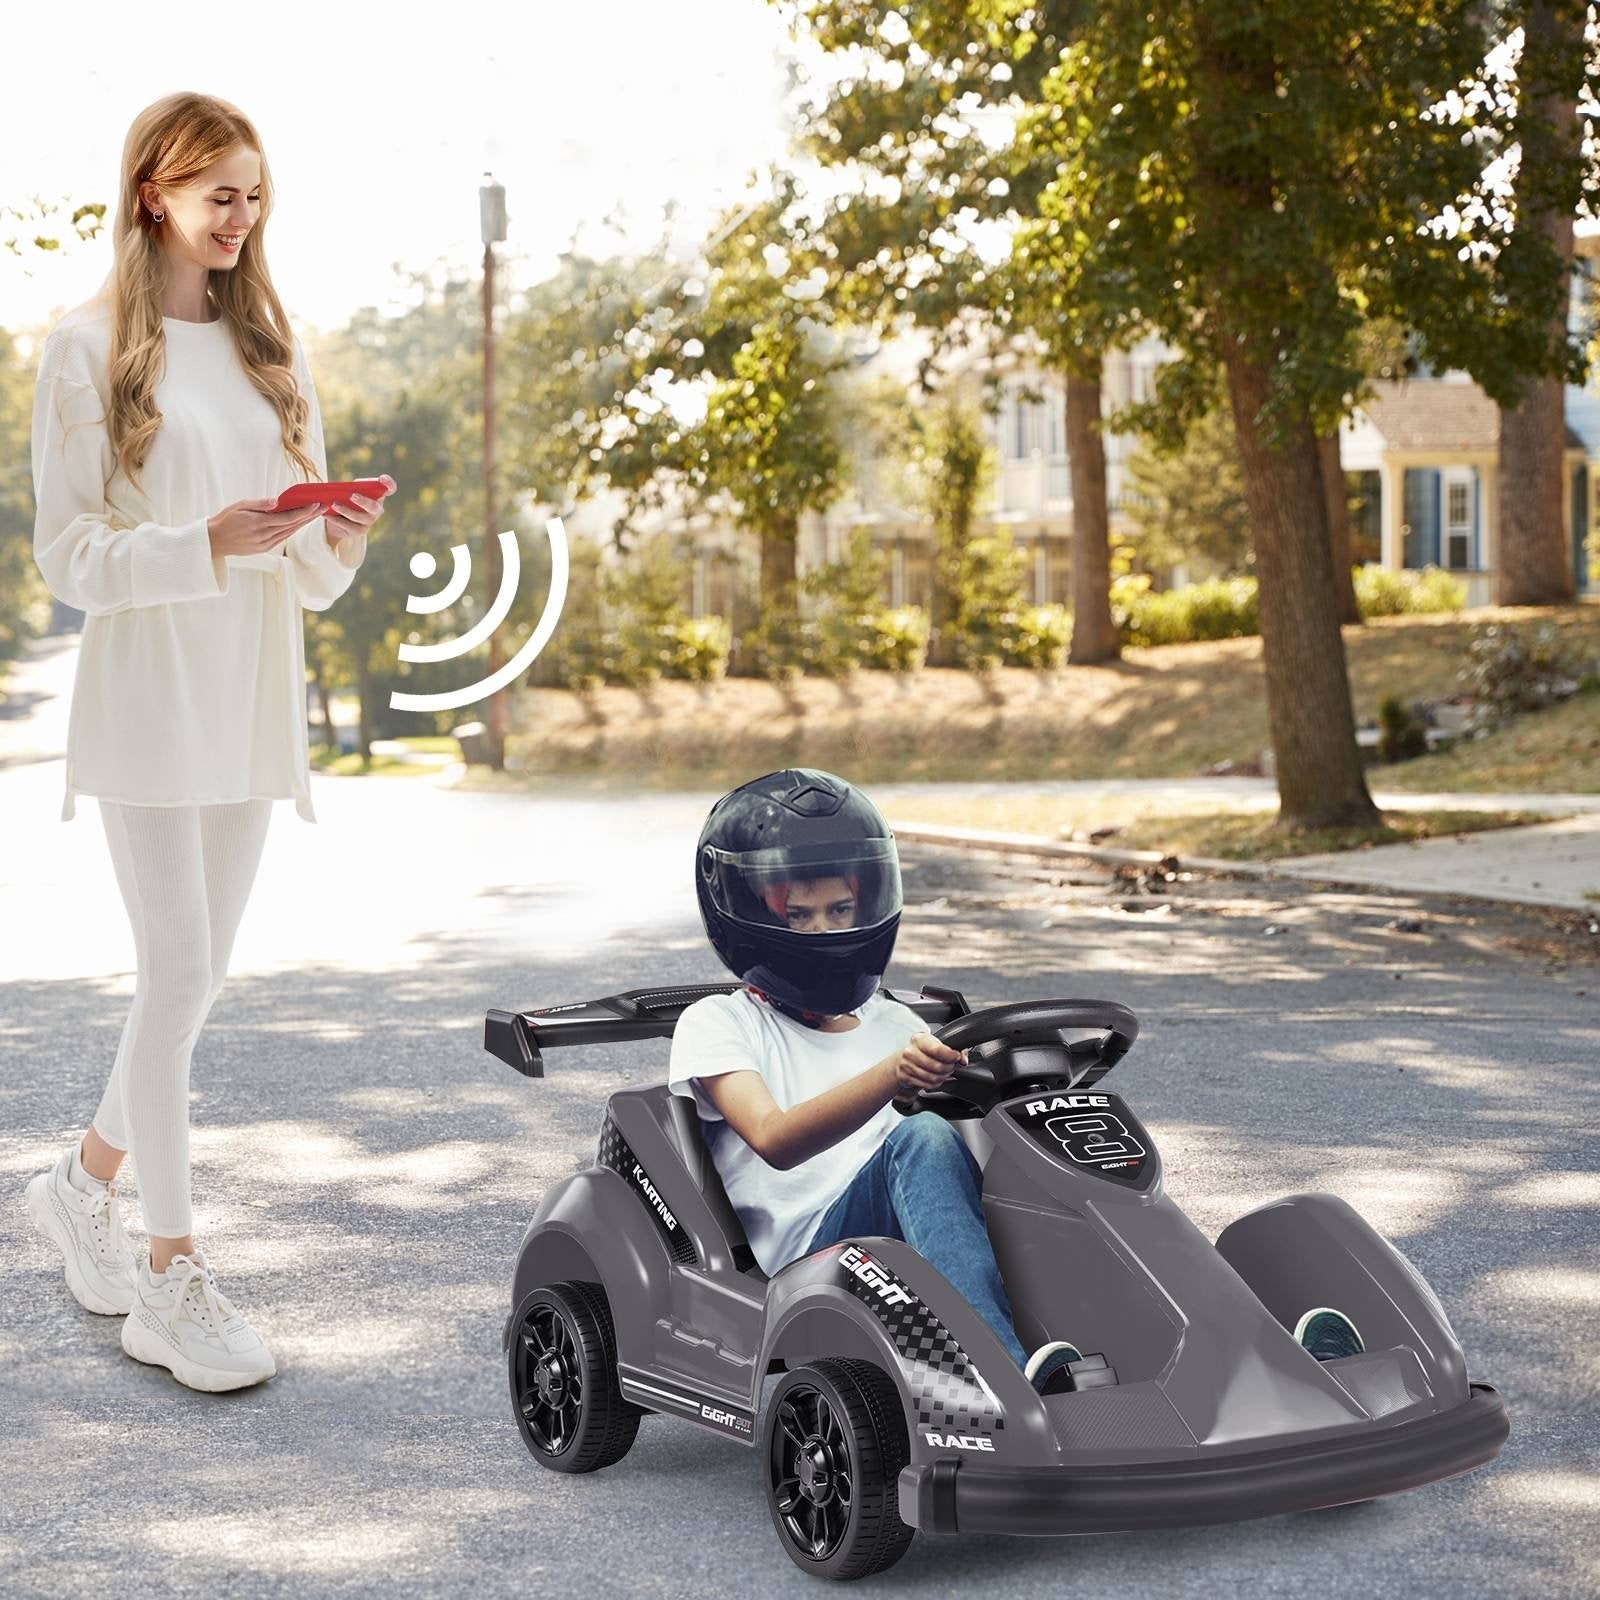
x: 956, y: 1495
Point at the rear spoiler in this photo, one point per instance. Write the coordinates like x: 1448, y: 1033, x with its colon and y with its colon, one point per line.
x: 519, y: 1037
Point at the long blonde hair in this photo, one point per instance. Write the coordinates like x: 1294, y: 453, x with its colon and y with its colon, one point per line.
x: 171, y: 143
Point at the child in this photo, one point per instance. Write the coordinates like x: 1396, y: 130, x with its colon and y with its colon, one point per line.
x: 794, y: 1075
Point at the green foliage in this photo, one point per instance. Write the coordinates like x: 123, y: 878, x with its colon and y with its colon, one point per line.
x: 896, y: 639
x: 984, y: 596
x: 1265, y: 179
x: 1511, y: 669
x: 642, y: 602
x: 572, y: 658
x: 1221, y: 608
x: 696, y: 648
x: 625, y: 623
x: 708, y: 384
x: 773, y: 649
x: 944, y: 468
x: 1382, y: 593
x: 845, y: 595
x: 1402, y: 734
x: 1226, y: 608
x: 25, y: 601
x: 1188, y: 505
x: 1036, y: 636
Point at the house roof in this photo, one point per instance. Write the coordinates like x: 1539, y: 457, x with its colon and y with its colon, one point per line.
x: 1438, y: 414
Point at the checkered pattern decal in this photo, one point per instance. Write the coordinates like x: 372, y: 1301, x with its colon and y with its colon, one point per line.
x: 616, y: 1153
x: 939, y: 1374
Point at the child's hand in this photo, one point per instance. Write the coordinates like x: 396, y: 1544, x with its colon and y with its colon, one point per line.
x: 925, y: 1063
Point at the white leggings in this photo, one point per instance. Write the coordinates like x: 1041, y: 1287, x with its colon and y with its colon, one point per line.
x: 185, y: 873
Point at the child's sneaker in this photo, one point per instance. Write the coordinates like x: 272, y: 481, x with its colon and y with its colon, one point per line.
x: 85, y: 1224
x: 1328, y: 1334
x: 1049, y: 1362
x: 182, y: 1320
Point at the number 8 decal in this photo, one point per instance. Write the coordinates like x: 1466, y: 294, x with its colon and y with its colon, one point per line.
x: 1095, y: 1136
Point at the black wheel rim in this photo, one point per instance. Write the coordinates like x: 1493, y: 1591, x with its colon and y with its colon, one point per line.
x: 549, y: 1379
x: 812, y: 1476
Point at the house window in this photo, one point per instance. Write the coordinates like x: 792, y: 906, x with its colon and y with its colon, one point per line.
x: 1021, y: 442
x: 1459, y: 519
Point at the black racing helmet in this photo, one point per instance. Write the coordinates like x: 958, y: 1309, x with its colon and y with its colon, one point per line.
x: 800, y: 827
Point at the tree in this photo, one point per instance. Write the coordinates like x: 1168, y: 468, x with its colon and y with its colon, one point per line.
x: 917, y: 121
x: 711, y: 384
x: 949, y: 470
x: 1256, y: 180
x: 1189, y: 505
x: 1534, y: 566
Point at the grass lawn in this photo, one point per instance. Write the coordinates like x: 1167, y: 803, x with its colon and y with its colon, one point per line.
x: 1549, y: 752
x: 1166, y: 712
x: 1130, y: 822
x: 327, y: 758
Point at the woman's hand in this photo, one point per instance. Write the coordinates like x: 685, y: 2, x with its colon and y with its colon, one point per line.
x: 249, y: 527
x: 924, y: 1064
x: 358, y: 514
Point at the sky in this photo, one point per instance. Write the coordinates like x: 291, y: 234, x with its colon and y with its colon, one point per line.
x: 379, y: 131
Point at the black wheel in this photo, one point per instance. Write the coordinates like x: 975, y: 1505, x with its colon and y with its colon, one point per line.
x: 834, y: 1441
x: 563, y: 1362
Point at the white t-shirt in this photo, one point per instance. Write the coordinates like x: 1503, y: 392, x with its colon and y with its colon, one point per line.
x: 191, y: 680
x: 737, y: 1032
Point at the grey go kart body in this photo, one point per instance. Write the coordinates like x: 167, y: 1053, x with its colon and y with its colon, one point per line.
x: 1205, y: 1408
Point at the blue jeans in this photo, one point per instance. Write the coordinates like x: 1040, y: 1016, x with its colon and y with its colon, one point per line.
x: 923, y: 1185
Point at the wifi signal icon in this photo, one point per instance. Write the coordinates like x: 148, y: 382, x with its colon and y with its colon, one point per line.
x: 423, y: 567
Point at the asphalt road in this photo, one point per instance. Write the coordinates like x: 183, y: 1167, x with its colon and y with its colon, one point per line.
x: 364, y: 1170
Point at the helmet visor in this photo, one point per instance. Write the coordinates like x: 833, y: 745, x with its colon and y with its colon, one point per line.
x: 820, y: 887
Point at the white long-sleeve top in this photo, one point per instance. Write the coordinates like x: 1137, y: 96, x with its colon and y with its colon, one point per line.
x: 191, y: 679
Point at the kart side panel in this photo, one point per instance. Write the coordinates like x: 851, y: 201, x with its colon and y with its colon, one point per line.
x: 878, y: 1298
x: 1310, y: 1250
x: 593, y: 1217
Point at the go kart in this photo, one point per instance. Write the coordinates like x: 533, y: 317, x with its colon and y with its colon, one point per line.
x: 894, y: 1406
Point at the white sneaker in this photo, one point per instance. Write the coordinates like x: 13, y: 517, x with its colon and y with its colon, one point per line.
x: 182, y: 1320
x: 87, y: 1229
x: 1048, y: 1360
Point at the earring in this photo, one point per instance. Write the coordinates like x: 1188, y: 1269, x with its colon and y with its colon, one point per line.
x: 160, y: 216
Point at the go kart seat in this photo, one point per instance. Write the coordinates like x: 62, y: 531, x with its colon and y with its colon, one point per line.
x: 680, y: 1122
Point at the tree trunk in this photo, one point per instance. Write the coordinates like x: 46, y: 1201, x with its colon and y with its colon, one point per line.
x: 320, y: 683
x: 363, y: 715
x: 778, y: 570
x: 1337, y: 497
x: 1094, y: 634
x: 1320, y: 779
x: 1534, y: 566
x: 947, y: 544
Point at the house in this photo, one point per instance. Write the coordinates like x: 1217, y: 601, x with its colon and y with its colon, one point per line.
x: 1032, y: 491
x: 1425, y: 455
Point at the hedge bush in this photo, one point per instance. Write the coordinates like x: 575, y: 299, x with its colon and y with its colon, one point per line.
x: 896, y: 639
x: 1220, y: 608
x: 697, y: 648
x: 1381, y: 593
x: 1227, y: 608
x: 1036, y: 636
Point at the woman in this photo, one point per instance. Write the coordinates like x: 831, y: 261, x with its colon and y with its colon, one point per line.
x: 169, y: 412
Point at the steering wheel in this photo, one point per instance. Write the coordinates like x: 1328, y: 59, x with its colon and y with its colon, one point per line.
x: 997, y: 1038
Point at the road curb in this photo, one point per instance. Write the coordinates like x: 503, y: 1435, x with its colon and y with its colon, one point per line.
x: 1064, y: 849
x: 1056, y: 849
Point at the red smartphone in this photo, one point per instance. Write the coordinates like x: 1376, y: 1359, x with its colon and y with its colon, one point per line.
x: 308, y: 494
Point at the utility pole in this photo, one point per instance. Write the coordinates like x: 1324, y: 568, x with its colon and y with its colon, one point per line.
x: 492, y: 215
